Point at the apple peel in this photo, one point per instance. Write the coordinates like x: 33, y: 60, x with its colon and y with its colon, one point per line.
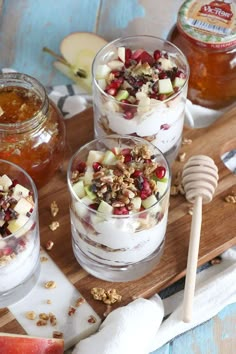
x: 18, y: 344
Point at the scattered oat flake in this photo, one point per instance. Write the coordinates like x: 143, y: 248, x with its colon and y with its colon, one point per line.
x: 50, y: 284
x: 54, y: 225
x: 57, y: 334
x: 49, y: 302
x: 43, y: 259
x: 54, y: 208
x: 186, y: 141
x: 41, y: 323
x: 31, y: 315
x: 230, y: 199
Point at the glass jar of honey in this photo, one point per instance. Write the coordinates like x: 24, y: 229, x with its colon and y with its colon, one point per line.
x: 32, y: 131
x: 206, y: 33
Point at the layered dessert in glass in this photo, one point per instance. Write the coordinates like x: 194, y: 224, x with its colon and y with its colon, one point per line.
x: 119, y: 187
x: 19, y: 233
x: 139, y: 88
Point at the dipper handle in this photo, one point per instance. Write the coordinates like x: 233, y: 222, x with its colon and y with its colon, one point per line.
x: 200, y: 177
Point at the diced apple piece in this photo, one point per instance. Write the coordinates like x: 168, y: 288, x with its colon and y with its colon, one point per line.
x: 78, y: 188
x: 161, y: 187
x: 115, y: 64
x: 179, y: 82
x: 115, y: 150
x: 15, y: 224
x: 149, y: 201
x: 102, y: 83
x: 102, y: 71
x: 89, y: 193
x: 5, y: 182
x: 23, y: 206
x: 88, y: 176
x: 16, y: 343
x: 94, y: 156
x: 105, y: 208
x: 137, y: 201
x: 165, y: 86
x: 109, y: 158
x: 122, y: 95
x: 121, y: 53
x: 20, y: 191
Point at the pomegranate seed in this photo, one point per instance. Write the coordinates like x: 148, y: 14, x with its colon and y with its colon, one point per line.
x: 163, y: 75
x: 165, y: 126
x: 146, y: 185
x: 125, y: 151
x: 153, y: 95
x: 157, y: 54
x: 117, y: 83
x: 128, y: 115
x: 128, y: 158
x: 137, y: 173
x: 111, y: 91
x: 81, y: 167
x: 116, y: 73
x: 120, y: 211
x: 143, y: 195
x: 160, y: 172
x: 14, y: 182
x: 97, y: 166
x: 145, y: 57
x: 93, y: 206
x: 7, y: 251
x: 181, y: 74
x: 7, y: 216
x: 162, y: 97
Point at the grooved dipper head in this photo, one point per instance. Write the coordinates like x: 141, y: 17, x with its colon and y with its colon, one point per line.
x: 200, y: 178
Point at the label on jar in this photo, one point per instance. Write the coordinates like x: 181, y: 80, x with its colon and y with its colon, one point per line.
x: 209, y: 24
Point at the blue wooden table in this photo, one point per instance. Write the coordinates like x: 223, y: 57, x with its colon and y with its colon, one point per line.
x: 26, y: 26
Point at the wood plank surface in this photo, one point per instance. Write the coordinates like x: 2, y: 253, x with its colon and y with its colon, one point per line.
x: 218, y: 228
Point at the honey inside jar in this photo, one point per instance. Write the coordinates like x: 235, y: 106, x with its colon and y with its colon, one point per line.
x: 32, y: 131
x: 206, y: 33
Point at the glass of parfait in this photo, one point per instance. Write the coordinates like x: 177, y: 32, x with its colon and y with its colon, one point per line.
x: 119, y: 188
x: 139, y: 88
x: 19, y: 233
x: 32, y: 131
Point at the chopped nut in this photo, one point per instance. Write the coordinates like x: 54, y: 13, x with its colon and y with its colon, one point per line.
x: 44, y: 316
x: 57, y: 334
x: 109, y: 296
x: 230, y: 199
x: 43, y: 259
x: 182, y: 156
x: 31, y: 315
x: 71, y: 310
x: 49, y: 245
x: 50, y: 284
x: 174, y: 190
x: 79, y: 301
x: 54, y: 225
x: 98, y: 293
x: 216, y: 260
x: 41, y: 323
x: 186, y: 141
x: 52, y: 319
x: 49, y: 302
x: 54, y: 208
x: 92, y: 319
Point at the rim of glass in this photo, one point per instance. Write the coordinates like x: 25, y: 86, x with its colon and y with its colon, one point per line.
x: 179, y: 51
x: 31, y: 82
x: 35, y: 195
x: 110, y: 137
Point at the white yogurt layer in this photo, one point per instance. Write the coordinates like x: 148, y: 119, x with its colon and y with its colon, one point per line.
x: 19, y: 268
x: 125, y: 244
x: 162, y: 120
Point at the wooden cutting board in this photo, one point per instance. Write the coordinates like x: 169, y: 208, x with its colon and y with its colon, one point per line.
x: 218, y: 227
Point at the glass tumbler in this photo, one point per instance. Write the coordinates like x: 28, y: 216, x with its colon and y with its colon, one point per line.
x: 139, y: 88
x: 19, y: 233
x: 119, y: 237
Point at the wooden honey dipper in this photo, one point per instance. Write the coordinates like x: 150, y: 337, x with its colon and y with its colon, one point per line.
x: 199, y: 178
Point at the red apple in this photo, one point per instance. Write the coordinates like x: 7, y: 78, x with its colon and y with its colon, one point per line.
x: 23, y: 344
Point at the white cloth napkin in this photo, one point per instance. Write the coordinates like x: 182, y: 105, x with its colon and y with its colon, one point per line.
x: 126, y: 330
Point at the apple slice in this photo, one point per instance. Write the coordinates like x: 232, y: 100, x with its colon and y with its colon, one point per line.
x: 94, y: 156
x: 5, y: 182
x: 23, y: 206
x: 109, y: 158
x: 16, y: 343
x: 149, y: 201
x: 78, y: 50
x: 165, y: 86
x: 105, y: 208
x: 78, y: 188
x: 20, y: 191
